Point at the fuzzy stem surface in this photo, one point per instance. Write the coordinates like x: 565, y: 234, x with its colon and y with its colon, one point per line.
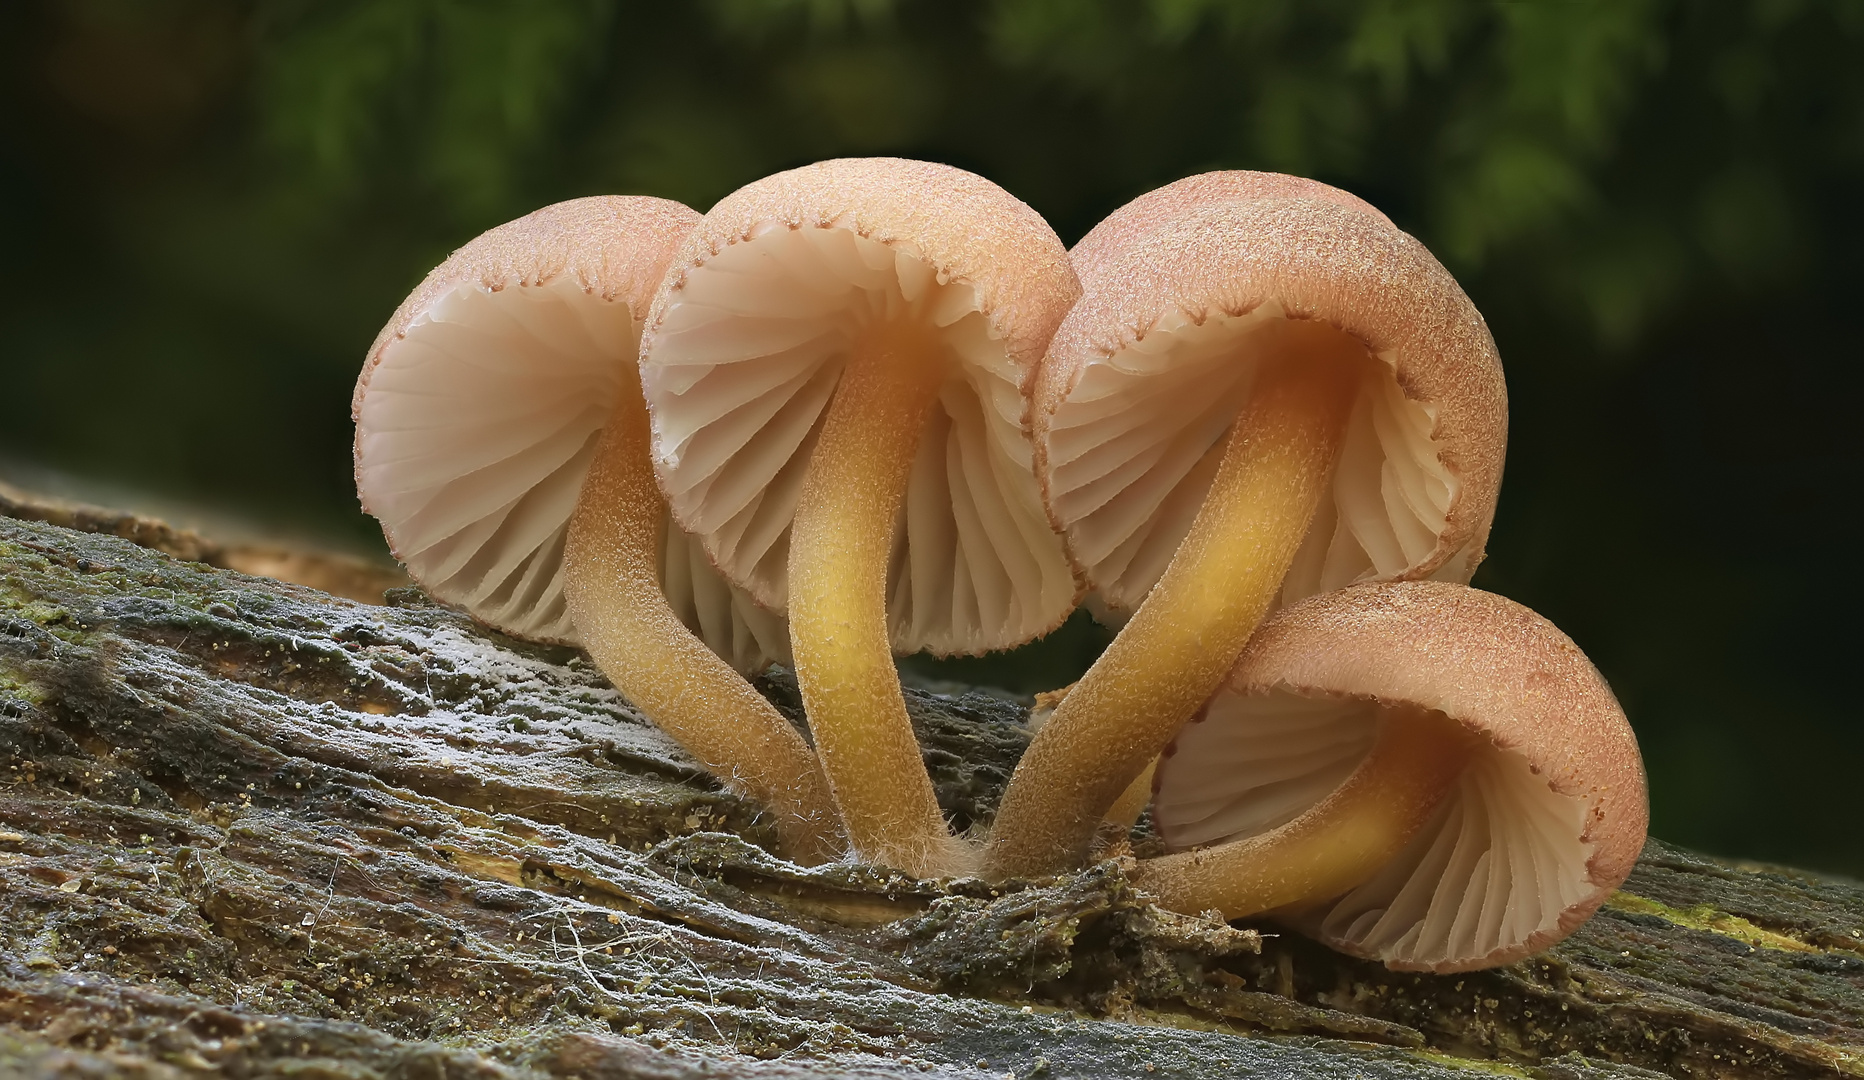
x: 841, y: 542
x: 1125, y: 811
x: 612, y: 586
x: 1221, y: 582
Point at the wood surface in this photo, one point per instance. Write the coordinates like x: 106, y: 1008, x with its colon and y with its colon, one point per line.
x: 249, y: 829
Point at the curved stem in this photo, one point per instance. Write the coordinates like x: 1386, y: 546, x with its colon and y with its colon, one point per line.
x: 612, y: 585
x: 840, y: 544
x: 1338, y: 843
x: 1169, y: 659
x: 1125, y: 811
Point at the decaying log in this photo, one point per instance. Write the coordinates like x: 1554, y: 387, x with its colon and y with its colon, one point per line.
x: 344, y: 575
x: 248, y: 829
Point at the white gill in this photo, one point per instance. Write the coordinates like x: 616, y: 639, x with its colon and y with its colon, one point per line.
x: 739, y: 376
x: 475, y: 434
x: 1134, y: 448
x: 1498, y: 862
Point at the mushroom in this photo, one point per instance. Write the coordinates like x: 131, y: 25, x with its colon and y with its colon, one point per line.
x: 479, y: 412
x: 1427, y: 774
x: 1237, y: 335
x: 835, y: 366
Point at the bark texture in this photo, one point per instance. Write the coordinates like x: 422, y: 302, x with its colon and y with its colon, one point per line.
x: 248, y: 829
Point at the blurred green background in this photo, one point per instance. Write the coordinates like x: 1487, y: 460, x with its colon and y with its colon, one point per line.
x: 208, y: 208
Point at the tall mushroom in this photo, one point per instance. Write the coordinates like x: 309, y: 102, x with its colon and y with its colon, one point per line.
x: 1416, y: 772
x: 1237, y: 336
x: 479, y: 413
x: 835, y: 366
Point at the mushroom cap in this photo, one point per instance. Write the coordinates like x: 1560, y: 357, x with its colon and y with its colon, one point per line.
x: 479, y: 405
x: 1131, y: 222
x: 1147, y: 372
x: 1546, y: 821
x: 750, y: 331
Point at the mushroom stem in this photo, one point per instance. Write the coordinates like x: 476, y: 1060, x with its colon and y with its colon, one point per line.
x: 1339, y: 842
x: 1125, y: 811
x: 1169, y: 659
x: 612, y: 587
x: 840, y: 546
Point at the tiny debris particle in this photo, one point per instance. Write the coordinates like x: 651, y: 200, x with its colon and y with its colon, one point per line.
x: 71, y: 886
x: 22, y: 836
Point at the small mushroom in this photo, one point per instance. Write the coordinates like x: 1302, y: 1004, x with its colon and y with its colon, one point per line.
x: 480, y: 411
x: 1415, y: 772
x: 1266, y: 391
x: 835, y: 367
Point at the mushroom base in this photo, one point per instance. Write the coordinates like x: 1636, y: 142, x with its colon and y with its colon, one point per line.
x: 612, y: 586
x: 1336, y: 845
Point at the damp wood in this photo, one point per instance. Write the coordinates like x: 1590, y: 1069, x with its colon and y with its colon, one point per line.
x: 250, y: 829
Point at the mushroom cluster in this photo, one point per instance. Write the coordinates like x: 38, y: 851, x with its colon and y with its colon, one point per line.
x: 501, y: 441
x: 873, y: 406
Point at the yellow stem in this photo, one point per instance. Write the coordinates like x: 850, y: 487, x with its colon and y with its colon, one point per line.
x: 1169, y: 659
x: 1125, y: 811
x: 1132, y: 802
x: 1338, y: 843
x: 612, y: 585
x: 840, y: 545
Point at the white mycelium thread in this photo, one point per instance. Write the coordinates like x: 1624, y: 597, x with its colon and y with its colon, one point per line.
x: 1134, y: 448
x: 473, y: 439
x: 740, y: 374
x: 1499, y: 861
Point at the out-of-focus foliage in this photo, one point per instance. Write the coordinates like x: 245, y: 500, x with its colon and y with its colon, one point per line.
x: 210, y: 206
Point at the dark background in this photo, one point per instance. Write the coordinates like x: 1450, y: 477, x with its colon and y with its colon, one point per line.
x: 208, y: 208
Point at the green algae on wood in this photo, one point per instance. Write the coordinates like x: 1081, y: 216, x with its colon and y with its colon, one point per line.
x: 1704, y: 917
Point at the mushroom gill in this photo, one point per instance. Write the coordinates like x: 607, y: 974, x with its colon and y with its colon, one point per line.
x: 834, y: 365
x: 742, y: 368
x: 1133, y: 450
x: 1415, y: 772
x: 501, y: 438
x: 478, y: 425
x: 1491, y: 874
x: 1264, y: 391
x: 1495, y: 866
